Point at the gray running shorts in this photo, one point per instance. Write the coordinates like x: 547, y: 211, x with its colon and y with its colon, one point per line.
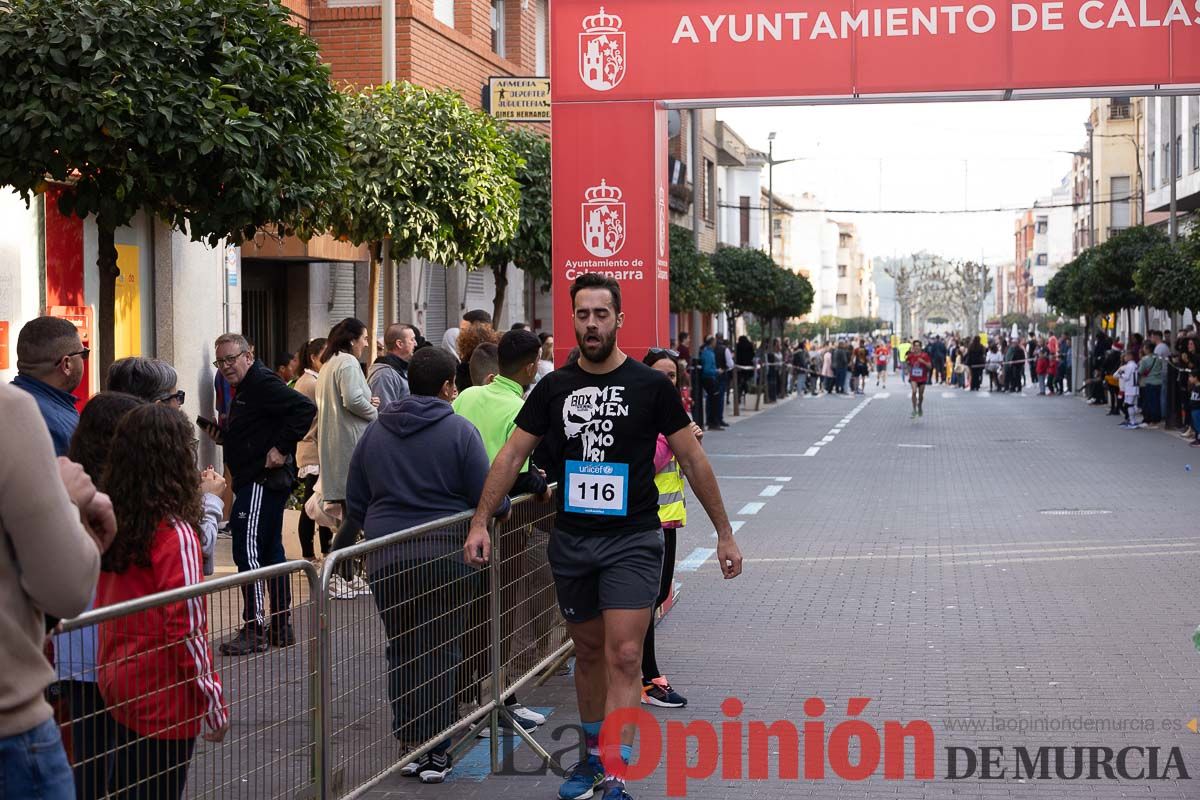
x: 596, y: 573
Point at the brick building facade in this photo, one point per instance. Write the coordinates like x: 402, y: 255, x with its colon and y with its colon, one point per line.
x: 300, y: 288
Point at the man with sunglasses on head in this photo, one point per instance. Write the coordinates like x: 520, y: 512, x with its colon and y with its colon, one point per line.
x: 50, y: 358
x: 266, y: 420
x: 600, y: 419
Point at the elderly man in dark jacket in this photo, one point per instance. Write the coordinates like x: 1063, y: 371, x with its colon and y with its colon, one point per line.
x: 266, y: 420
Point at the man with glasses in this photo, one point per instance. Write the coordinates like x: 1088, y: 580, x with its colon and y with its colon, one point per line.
x: 50, y: 358
x: 266, y: 420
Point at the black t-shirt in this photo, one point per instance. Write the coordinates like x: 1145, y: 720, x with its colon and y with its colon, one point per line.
x: 613, y: 419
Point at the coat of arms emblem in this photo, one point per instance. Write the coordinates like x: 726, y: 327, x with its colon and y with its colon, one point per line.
x: 602, y: 51
x: 603, y: 220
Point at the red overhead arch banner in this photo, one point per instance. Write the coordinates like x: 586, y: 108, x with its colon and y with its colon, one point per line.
x: 613, y: 61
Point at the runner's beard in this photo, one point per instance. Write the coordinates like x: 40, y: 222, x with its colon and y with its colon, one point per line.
x: 597, y: 353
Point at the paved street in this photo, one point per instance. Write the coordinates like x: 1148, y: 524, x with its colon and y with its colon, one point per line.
x: 940, y: 568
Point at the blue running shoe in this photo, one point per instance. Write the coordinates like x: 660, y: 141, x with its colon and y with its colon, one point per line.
x: 585, y: 777
x: 614, y: 789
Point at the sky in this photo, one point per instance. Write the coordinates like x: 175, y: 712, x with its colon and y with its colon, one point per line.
x: 943, y: 156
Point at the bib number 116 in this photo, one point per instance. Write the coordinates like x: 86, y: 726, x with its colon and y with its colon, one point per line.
x: 597, y: 488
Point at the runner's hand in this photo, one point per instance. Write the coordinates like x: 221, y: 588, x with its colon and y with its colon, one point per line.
x: 729, y: 556
x: 478, y: 549
x: 698, y: 431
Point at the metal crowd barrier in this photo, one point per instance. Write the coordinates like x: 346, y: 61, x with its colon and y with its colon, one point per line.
x: 428, y: 651
x: 114, y: 731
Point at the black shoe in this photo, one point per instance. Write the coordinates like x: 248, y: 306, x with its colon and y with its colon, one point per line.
x: 250, y: 639
x: 281, y: 635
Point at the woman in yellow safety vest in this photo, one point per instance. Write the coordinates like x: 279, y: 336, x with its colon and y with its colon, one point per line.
x: 668, y: 477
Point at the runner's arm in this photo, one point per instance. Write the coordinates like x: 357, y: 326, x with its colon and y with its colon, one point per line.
x: 505, y: 468
x: 696, y: 467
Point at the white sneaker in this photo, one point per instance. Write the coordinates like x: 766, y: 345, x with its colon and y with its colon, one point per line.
x: 339, y: 588
x: 359, y: 587
x: 527, y: 714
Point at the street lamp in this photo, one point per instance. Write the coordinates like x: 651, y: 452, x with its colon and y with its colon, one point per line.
x: 1091, y: 130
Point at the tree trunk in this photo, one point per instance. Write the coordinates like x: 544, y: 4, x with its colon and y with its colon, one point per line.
x: 501, y: 275
x: 373, y: 300
x: 106, y: 321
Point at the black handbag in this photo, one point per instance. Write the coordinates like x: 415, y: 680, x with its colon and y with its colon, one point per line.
x: 280, y: 479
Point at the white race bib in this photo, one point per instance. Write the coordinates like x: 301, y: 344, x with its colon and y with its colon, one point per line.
x: 597, y: 487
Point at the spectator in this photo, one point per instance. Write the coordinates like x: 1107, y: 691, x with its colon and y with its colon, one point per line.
x: 308, y: 463
x: 286, y: 367
x: 54, y: 526
x: 346, y: 408
x: 841, y: 365
x: 155, y: 666
x: 545, y: 363
x: 418, y: 585
x: 685, y: 352
x: 710, y: 380
x: 50, y: 358
x: 474, y: 334
x: 266, y: 421
x: 519, y: 326
x: 148, y: 379
x: 1127, y: 382
x: 725, y: 365
x: 422, y: 342
x: 388, y: 377
x: 994, y: 364
x: 1151, y: 372
x: 91, y: 735
x: 492, y: 407
x: 672, y: 514
x: 743, y: 358
x: 450, y: 341
x: 485, y: 365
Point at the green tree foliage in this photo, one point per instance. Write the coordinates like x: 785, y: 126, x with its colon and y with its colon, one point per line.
x: 215, y: 115
x: 1168, y: 276
x: 1109, y: 280
x: 426, y: 173
x: 748, y: 277
x: 791, y: 296
x: 529, y: 249
x: 694, y: 284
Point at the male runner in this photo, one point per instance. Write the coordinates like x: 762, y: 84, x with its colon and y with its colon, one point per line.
x: 601, y: 418
x: 919, y: 367
x: 883, y: 354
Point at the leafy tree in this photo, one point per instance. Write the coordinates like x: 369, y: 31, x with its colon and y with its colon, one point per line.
x: 1109, y: 278
x: 215, y: 115
x: 427, y: 175
x: 791, y: 295
x: 1168, y: 278
x: 529, y: 249
x: 694, y: 284
x: 1060, y: 290
x: 748, y: 278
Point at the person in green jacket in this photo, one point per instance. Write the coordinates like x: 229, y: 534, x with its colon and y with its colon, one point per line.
x: 492, y: 407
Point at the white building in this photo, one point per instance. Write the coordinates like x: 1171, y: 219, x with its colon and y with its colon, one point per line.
x: 815, y: 241
x: 1053, y: 240
x: 1158, y: 143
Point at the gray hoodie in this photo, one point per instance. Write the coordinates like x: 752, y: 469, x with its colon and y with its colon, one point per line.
x: 388, y: 378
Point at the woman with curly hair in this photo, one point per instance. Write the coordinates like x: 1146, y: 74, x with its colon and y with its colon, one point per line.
x: 473, y: 335
x: 155, y: 666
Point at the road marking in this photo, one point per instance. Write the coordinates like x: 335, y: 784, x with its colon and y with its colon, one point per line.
x: 736, y: 525
x: 750, y: 509
x: 812, y: 451
x: 949, y: 395
x: 770, y: 491
x: 696, y: 560
x: 836, y: 430
x: 917, y: 446
x: 756, y: 455
x: 827, y: 440
x: 1166, y: 548
x: 883, y: 395
x: 780, y: 479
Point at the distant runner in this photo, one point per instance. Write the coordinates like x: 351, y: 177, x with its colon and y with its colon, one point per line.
x: 919, y: 367
x: 882, y: 354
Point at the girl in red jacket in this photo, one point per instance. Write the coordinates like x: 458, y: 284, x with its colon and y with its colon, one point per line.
x: 156, y: 673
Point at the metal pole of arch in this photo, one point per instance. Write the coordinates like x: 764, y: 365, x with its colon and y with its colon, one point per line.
x: 1173, y: 230
x: 389, y: 76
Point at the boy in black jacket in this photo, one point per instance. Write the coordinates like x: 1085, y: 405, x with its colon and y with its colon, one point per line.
x: 266, y: 420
